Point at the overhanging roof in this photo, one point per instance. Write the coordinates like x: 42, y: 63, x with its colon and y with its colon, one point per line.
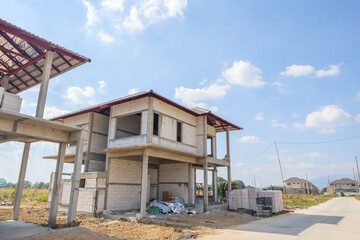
x: 214, y: 120
x: 22, y: 57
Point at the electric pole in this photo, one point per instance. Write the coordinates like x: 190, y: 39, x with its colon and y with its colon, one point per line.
x: 282, y: 176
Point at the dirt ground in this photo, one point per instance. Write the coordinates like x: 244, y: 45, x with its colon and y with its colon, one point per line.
x: 38, y: 213
x: 211, y: 220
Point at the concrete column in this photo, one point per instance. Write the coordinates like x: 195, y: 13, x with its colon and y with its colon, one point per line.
x: 206, y: 197
x: 57, y: 185
x: 5, y: 82
x: 214, y: 182
x: 194, y: 185
x: 89, y: 141
x: 144, y: 179
x: 20, y: 184
x: 44, y: 84
x: 150, y: 120
x: 75, y: 179
x: 228, y: 158
x: 191, y: 185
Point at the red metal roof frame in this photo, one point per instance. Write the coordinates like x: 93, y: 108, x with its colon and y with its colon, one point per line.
x: 150, y: 93
x: 22, y: 54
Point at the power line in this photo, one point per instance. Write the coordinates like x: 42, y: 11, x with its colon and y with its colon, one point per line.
x: 254, y: 158
x: 320, y: 142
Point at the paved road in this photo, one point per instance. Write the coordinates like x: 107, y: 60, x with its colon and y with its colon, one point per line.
x: 337, y: 219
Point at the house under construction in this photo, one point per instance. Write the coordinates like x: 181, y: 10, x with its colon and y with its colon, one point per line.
x: 142, y: 145
x: 27, y: 60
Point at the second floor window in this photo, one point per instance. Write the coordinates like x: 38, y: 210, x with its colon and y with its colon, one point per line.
x: 178, y: 131
x: 156, y: 124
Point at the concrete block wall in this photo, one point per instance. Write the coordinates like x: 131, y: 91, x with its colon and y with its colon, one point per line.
x: 124, y: 187
x: 174, y: 178
x: 96, y: 166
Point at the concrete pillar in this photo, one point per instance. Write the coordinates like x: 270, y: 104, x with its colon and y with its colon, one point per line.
x: 228, y: 158
x: 144, y: 179
x: 191, y: 185
x: 44, y: 84
x: 214, y: 182
x: 75, y: 179
x: 88, y: 141
x: 206, y: 197
x: 194, y: 185
x: 150, y: 120
x: 57, y: 185
x: 5, y: 82
x: 20, y: 184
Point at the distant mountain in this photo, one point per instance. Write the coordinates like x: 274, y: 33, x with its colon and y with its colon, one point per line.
x: 322, y: 182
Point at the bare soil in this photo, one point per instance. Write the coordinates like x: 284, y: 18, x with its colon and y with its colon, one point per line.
x: 39, y: 213
x: 211, y: 220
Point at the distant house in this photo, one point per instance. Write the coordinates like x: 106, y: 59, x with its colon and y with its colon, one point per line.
x: 343, y: 185
x: 296, y: 185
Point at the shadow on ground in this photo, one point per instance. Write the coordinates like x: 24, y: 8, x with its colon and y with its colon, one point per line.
x: 289, y: 224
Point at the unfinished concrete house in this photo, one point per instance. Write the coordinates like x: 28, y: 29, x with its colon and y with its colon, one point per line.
x: 296, y: 185
x: 142, y: 145
x: 344, y: 186
x: 27, y: 60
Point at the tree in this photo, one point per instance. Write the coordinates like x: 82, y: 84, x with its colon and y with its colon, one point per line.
x: 11, y: 185
x: 27, y: 184
x: 324, y: 190
x: 223, y: 185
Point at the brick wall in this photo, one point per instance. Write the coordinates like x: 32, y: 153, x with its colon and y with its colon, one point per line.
x: 174, y: 178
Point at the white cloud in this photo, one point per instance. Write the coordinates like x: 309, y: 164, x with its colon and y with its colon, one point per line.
x: 240, y: 164
x: 91, y: 14
x: 113, y: 5
x: 298, y: 70
x: 104, y: 37
x: 196, y: 97
x: 303, y: 165
x: 102, y: 86
x: 80, y: 96
x: 327, y: 118
x: 259, y: 117
x: 133, y: 17
x: 133, y: 91
x: 249, y: 139
x: 277, y: 84
x: 313, y: 155
x: 52, y: 111
x: 332, y: 70
x: 133, y: 22
x: 244, y: 74
x: 274, y: 123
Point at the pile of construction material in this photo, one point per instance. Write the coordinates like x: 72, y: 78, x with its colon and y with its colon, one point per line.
x: 9, y: 102
x: 246, y: 199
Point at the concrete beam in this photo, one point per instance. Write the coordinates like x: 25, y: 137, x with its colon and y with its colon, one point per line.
x: 57, y: 185
x: 144, y: 180
x: 45, y: 77
x: 20, y: 185
x: 5, y: 82
x: 75, y: 180
x: 22, y: 129
x: 206, y: 195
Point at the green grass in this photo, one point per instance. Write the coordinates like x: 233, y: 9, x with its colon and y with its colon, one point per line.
x: 29, y: 195
x: 293, y: 200
x: 357, y: 197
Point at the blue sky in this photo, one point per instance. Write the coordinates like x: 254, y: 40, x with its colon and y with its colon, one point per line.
x: 285, y: 71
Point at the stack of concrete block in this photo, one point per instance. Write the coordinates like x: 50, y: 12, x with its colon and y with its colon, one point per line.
x: 9, y: 102
x: 277, y: 201
x: 246, y: 198
x: 239, y: 198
